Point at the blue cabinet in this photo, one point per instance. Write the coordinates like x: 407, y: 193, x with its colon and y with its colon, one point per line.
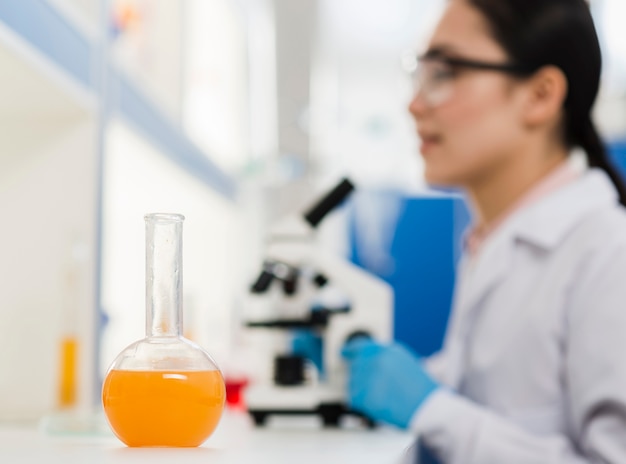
x: 413, y: 243
x: 617, y: 154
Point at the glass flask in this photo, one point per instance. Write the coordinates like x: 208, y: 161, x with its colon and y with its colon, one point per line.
x: 163, y: 390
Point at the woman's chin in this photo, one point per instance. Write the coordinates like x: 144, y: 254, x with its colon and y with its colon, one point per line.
x: 440, y: 180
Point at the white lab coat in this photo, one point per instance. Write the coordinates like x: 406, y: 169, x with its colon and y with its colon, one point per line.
x: 535, y: 353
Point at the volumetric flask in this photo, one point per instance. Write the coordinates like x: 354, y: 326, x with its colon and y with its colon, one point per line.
x: 163, y: 390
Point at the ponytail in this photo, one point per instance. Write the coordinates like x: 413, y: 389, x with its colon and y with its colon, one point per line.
x: 597, y: 157
x: 561, y: 33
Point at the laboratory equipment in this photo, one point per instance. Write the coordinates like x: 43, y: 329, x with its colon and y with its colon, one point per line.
x: 163, y: 390
x: 296, y: 270
x: 67, y: 377
x: 234, y: 392
x: 69, y: 348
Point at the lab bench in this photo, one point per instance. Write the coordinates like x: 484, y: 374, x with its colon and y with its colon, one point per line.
x: 236, y: 440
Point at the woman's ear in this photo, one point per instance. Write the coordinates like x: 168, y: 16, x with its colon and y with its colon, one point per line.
x: 546, y: 93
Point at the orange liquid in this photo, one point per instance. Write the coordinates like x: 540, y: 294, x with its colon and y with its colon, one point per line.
x: 163, y: 408
x: 67, y: 380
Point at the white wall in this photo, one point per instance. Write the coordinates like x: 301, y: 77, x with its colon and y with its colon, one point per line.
x: 215, y: 109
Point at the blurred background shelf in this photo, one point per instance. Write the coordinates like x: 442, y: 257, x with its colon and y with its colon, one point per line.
x: 66, y: 97
x: 48, y: 31
x: 48, y: 198
x: 50, y: 28
x: 143, y: 116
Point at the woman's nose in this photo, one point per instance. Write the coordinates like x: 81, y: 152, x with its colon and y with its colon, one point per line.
x: 418, y: 107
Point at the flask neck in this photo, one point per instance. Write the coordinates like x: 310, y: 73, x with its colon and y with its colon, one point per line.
x: 164, y: 275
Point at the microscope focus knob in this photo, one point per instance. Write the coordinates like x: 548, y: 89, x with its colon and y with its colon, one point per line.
x: 289, y: 370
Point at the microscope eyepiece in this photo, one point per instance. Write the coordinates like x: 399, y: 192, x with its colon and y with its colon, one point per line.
x: 315, y: 215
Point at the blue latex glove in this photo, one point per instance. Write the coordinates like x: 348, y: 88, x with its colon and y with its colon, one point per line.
x: 309, y: 345
x: 386, y: 382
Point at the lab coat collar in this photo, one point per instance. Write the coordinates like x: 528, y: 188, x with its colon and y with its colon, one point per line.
x: 546, y: 223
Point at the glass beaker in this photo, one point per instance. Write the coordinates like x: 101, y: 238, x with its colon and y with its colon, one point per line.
x: 163, y: 390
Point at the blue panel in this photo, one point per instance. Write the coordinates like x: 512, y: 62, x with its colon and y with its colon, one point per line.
x: 424, y: 251
x: 171, y: 140
x: 424, y: 273
x: 40, y: 24
x: 617, y: 152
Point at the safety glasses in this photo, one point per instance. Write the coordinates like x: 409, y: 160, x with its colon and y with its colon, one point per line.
x: 434, y: 75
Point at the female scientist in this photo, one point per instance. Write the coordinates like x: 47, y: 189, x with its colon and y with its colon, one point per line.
x: 533, y: 367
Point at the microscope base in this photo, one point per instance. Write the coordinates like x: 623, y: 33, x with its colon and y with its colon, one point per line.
x: 330, y: 413
x: 306, y: 400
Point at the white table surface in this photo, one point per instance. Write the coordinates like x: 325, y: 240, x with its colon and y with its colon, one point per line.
x: 236, y: 440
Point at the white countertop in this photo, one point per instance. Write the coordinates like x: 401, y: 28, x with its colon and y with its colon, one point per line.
x: 236, y: 440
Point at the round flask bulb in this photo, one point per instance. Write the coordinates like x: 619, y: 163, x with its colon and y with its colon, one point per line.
x: 163, y: 393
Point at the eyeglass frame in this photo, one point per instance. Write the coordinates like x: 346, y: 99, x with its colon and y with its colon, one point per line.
x: 511, y: 68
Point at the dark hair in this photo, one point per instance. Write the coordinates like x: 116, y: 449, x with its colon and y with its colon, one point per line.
x: 537, y: 33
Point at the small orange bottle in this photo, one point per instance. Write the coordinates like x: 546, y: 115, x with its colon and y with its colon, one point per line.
x: 163, y: 390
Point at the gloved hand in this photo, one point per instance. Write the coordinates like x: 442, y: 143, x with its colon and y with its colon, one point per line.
x: 386, y: 382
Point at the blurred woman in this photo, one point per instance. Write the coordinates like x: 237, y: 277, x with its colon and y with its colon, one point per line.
x: 532, y: 369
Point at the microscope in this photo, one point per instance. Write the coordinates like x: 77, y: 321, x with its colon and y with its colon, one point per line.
x: 298, y: 270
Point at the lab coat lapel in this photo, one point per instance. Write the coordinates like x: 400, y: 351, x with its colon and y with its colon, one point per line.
x: 479, y: 277
x: 489, y: 269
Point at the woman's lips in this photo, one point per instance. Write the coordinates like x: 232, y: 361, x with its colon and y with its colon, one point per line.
x: 429, y: 142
